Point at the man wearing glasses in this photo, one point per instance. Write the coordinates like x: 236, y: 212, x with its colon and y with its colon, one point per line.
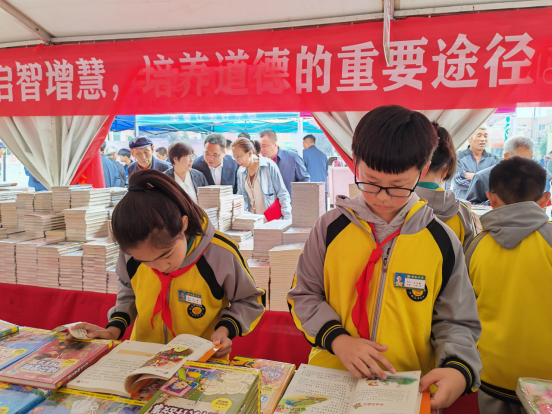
x: 218, y: 168
x: 141, y: 148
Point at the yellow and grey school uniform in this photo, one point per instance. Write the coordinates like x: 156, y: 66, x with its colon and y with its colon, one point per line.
x: 217, y: 291
x: 449, y: 210
x: 424, y: 329
x: 510, y: 265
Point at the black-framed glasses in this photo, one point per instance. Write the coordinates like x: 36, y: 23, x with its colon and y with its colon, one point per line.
x: 391, y: 191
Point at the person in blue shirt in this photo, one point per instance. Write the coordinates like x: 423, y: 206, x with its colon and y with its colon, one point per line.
x: 124, y: 156
x: 111, y: 174
x: 290, y: 163
x: 33, y: 182
x: 315, y: 161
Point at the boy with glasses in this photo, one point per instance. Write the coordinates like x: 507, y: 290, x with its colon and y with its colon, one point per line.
x: 344, y: 297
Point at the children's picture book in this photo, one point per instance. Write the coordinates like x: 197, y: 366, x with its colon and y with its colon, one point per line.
x: 323, y: 390
x: 55, y: 363
x: 275, y: 377
x: 131, y: 366
x: 18, y: 345
x: 66, y: 401
x: 535, y: 395
x: 209, y: 389
x: 20, y: 399
x: 7, y: 328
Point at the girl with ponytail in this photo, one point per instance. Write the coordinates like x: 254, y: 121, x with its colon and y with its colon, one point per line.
x: 177, y: 274
x: 444, y: 203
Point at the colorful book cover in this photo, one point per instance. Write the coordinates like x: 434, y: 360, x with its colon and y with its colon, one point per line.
x: 19, y: 399
x: 67, y: 401
x: 275, y: 377
x: 535, y: 395
x: 17, y: 346
x: 55, y: 363
x: 7, y: 328
x: 145, y: 390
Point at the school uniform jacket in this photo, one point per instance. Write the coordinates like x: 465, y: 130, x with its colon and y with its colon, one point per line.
x: 436, y: 327
x: 221, y: 277
x: 510, y: 265
x: 451, y: 211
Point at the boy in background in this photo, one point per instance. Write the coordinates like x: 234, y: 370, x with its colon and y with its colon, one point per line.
x: 510, y: 265
x: 343, y: 296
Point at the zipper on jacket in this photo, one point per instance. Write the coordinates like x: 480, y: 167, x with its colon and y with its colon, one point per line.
x: 381, y: 289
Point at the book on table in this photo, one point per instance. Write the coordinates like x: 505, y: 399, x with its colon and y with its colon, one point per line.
x: 22, y: 343
x: 320, y: 390
x: 19, y: 399
x: 7, y: 328
x: 209, y: 388
x: 134, y: 366
x: 535, y: 395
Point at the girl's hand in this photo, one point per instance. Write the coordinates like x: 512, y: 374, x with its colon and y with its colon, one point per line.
x: 95, y: 331
x: 220, y: 338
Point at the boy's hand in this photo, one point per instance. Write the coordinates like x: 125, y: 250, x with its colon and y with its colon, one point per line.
x: 95, y: 331
x: 451, y: 384
x: 220, y: 338
x: 359, y: 355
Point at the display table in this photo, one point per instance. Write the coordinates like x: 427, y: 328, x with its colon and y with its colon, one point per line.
x: 275, y: 337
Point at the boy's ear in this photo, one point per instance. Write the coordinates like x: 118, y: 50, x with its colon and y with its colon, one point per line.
x: 544, y: 199
x: 494, y: 200
x: 425, y: 170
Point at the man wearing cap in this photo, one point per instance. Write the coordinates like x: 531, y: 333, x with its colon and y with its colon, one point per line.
x: 141, y: 148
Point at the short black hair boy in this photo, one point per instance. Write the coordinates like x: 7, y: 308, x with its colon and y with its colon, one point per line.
x: 516, y: 179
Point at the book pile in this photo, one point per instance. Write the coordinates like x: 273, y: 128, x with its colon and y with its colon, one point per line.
x: 90, y: 197
x: 53, y: 236
x: 39, y: 223
x: 8, y: 209
x: 534, y: 395
x: 239, y: 235
x: 7, y: 253
x: 246, y: 248
x: 97, y: 257
x: 43, y: 202
x: 85, y: 223
x: 212, y: 214
x: 248, y: 221
x: 219, y: 196
x: 238, y: 206
x: 283, y: 262
x: 26, y: 258
x: 117, y: 194
x: 25, y: 205
x: 260, y: 270
x: 308, y: 202
x: 269, y: 235
x: 48, y: 262
x: 70, y: 271
x: 112, y: 280
x: 61, y: 196
x: 296, y: 235
x: 3, y: 233
x: 8, y: 195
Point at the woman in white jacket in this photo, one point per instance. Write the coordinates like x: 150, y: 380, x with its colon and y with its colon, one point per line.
x: 259, y: 180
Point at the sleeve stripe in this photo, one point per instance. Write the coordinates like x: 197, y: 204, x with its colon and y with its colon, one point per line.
x: 329, y: 330
x: 463, y: 366
x: 122, y: 319
x: 236, y: 324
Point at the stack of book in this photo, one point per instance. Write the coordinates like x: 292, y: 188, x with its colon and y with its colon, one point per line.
x: 248, y: 221
x: 53, y: 236
x: 8, y: 209
x: 97, y: 257
x: 296, y: 235
x: 48, y: 262
x: 90, y: 197
x: 70, y: 271
x: 61, y: 196
x: 239, y: 235
x: 112, y: 280
x: 38, y: 223
x: 260, y: 270
x: 238, y: 206
x: 308, y: 202
x: 269, y: 235
x: 117, y: 194
x: 219, y: 196
x: 8, y: 195
x: 3, y: 233
x: 26, y: 258
x: 86, y: 223
x: 7, y: 253
x: 212, y: 214
x: 246, y: 248
x: 25, y: 205
x: 283, y: 262
x: 43, y: 202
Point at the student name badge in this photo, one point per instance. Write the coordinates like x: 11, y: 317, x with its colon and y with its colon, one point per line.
x: 409, y: 281
x: 188, y: 297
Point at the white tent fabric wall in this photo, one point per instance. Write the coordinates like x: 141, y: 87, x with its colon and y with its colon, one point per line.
x: 461, y: 123
x: 51, y: 147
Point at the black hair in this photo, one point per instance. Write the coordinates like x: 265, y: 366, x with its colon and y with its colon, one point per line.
x: 310, y: 136
x: 393, y: 139
x: 228, y: 144
x: 102, y: 148
x: 161, y: 151
x: 244, y: 135
x: 216, y: 139
x: 444, y: 155
x: 152, y: 210
x: 516, y: 179
x: 124, y: 152
x: 257, y: 146
x: 179, y: 149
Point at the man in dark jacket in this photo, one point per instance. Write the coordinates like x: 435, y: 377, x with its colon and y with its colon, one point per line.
x: 141, y: 148
x: 111, y: 154
x: 111, y: 173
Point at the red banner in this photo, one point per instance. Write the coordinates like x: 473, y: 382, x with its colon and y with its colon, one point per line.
x: 483, y: 60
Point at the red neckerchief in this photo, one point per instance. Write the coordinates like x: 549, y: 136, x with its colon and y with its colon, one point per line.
x: 360, y: 311
x: 162, y: 303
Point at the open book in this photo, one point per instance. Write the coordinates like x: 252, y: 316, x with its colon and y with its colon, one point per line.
x: 132, y: 366
x: 323, y: 390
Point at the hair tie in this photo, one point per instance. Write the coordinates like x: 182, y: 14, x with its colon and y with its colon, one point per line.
x: 137, y: 188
